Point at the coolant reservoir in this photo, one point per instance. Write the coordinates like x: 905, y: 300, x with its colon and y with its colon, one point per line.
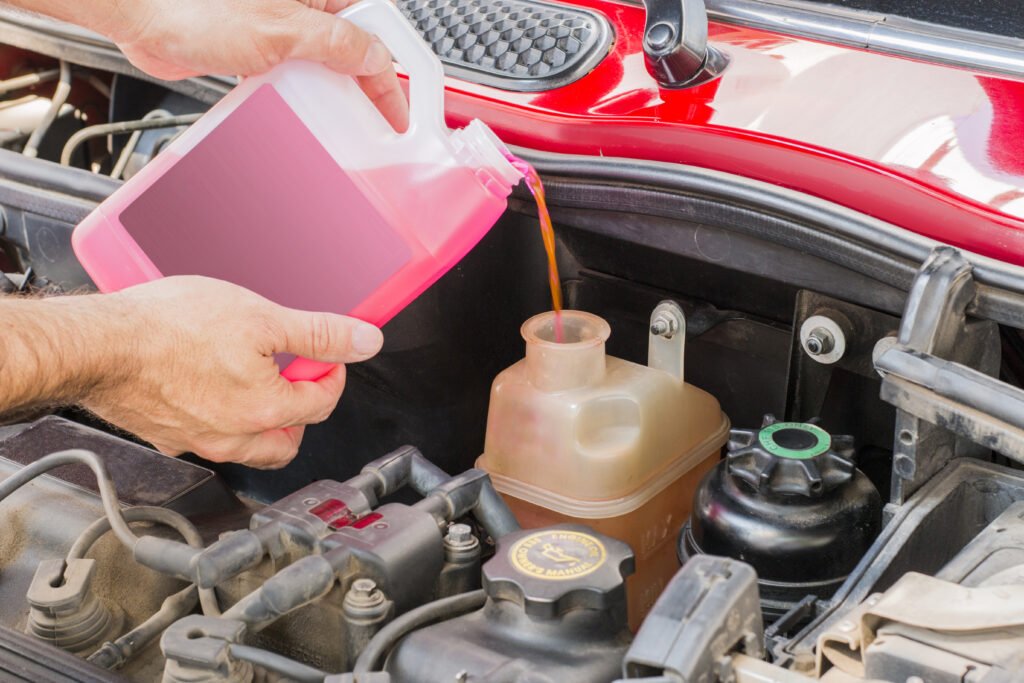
x: 574, y: 435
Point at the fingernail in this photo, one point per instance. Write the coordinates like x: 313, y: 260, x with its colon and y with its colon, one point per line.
x: 377, y: 58
x: 367, y: 340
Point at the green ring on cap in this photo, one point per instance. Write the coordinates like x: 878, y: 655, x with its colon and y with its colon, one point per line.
x: 768, y: 442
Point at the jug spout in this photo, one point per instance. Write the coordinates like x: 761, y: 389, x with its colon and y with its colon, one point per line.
x: 565, y: 350
x: 477, y: 147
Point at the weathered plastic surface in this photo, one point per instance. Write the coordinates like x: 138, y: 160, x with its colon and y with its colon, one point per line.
x: 708, y: 611
x: 574, y: 435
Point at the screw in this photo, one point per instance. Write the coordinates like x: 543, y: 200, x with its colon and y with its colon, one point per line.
x: 310, y: 501
x: 819, y: 342
x: 664, y: 325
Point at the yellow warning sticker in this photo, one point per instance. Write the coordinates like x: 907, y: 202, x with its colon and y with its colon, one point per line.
x: 557, y: 555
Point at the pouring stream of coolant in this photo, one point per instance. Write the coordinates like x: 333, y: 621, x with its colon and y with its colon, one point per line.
x: 547, y: 232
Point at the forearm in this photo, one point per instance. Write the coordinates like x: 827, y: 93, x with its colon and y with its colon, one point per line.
x: 59, y: 351
x: 108, y: 17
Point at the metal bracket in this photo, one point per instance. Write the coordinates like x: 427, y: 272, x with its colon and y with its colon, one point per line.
x: 964, y: 401
x: 842, y: 391
x: 934, y: 327
x: 667, y: 341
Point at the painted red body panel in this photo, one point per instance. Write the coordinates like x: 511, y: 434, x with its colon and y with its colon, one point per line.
x: 934, y: 149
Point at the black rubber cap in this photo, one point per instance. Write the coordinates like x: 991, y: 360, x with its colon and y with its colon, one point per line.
x: 794, y: 458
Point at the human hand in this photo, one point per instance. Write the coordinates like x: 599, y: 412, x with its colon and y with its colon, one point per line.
x: 201, y: 376
x: 174, y: 39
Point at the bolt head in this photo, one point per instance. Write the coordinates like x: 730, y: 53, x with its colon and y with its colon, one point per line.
x: 363, y: 594
x: 363, y: 587
x: 664, y: 326
x: 819, y: 342
x: 459, y: 535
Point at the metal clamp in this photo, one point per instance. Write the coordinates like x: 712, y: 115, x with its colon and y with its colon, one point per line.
x: 940, y: 400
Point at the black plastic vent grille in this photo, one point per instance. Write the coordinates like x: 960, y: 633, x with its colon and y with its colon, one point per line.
x: 511, y: 44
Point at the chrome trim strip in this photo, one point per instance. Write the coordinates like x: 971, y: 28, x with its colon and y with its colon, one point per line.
x: 886, y: 33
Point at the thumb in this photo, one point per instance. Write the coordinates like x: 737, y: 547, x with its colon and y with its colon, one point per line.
x: 327, y: 337
x: 318, y: 36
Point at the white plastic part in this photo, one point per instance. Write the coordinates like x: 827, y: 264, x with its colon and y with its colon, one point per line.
x: 575, y: 435
x: 570, y: 423
x: 426, y: 74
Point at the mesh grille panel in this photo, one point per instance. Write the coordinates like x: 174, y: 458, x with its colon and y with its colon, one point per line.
x: 511, y: 44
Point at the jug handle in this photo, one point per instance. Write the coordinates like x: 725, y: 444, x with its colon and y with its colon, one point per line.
x: 426, y: 75
x: 426, y: 103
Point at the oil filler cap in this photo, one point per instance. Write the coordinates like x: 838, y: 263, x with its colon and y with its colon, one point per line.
x: 795, y: 458
x: 553, y: 570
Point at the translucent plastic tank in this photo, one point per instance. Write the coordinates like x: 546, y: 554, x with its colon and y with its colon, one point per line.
x: 576, y: 435
x: 295, y: 186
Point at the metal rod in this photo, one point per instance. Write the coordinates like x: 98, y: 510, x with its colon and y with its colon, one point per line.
x: 133, y: 142
x: 60, y: 98
x: 108, y: 494
x: 119, y: 128
x: 28, y: 80
x: 289, y: 668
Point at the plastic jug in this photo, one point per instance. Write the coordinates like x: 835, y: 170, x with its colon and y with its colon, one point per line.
x: 574, y: 435
x: 296, y: 187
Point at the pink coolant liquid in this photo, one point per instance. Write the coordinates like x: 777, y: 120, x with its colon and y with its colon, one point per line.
x: 547, y: 232
x: 283, y: 219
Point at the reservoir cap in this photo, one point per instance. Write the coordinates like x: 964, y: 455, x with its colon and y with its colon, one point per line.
x: 798, y: 458
x: 551, y: 571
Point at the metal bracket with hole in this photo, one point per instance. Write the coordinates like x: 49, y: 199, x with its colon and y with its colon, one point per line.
x: 667, y: 341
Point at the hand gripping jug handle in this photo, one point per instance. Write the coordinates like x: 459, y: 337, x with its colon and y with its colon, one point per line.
x: 426, y: 102
x: 426, y: 75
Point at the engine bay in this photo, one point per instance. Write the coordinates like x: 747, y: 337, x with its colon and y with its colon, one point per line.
x: 782, y: 442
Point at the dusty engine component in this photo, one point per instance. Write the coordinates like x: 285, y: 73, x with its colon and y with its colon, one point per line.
x: 710, y: 610
x: 554, y: 610
x: 964, y: 624
x: 66, y: 612
x: 332, y: 544
x: 790, y: 501
x: 328, y: 565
